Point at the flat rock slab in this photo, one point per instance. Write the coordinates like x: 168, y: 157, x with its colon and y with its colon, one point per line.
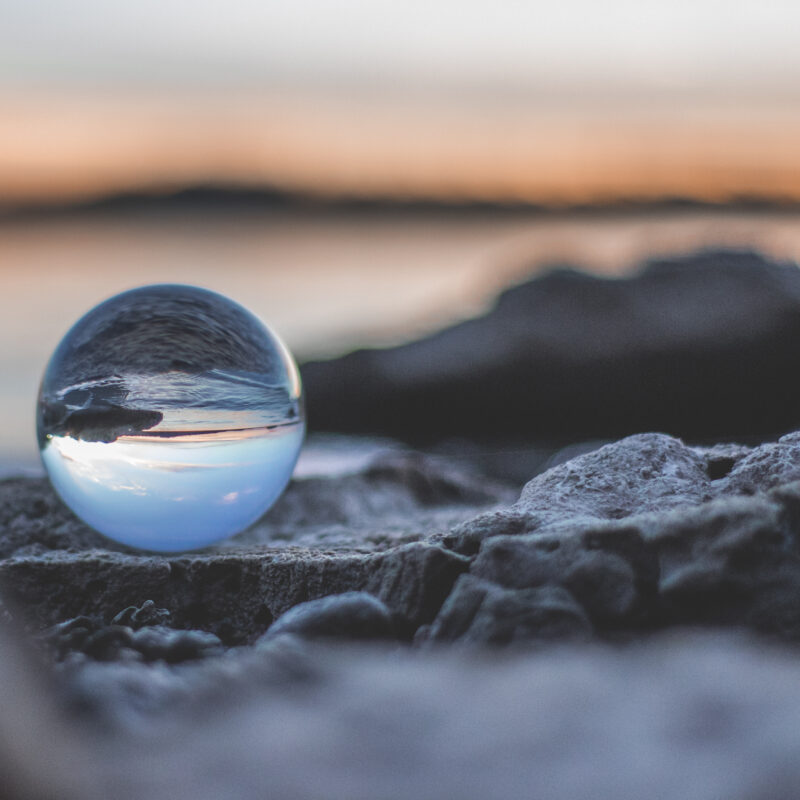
x: 236, y: 596
x: 363, y: 531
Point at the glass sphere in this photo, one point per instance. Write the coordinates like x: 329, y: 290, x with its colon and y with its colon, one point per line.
x: 170, y: 417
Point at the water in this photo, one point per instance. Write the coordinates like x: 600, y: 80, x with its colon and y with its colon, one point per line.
x: 169, y: 418
x: 328, y: 283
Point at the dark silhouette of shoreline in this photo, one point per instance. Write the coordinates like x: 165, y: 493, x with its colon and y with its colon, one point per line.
x: 220, y: 199
x: 97, y: 424
x: 699, y: 346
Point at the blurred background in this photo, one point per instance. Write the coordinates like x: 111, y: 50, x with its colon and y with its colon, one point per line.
x: 362, y: 173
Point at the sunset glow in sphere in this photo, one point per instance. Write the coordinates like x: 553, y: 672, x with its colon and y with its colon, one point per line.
x: 170, y: 417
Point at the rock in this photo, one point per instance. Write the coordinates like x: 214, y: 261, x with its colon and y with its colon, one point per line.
x: 117, y: 698
x: 647, y: 533
x: 352, y: 615
x: 768, y: 466
x: 708, y: 716
x: 720, y: 459
x: 603, y: 581
x: 731, y: 562
x: 360, y: 531
x: 480, y: 612
x: 687, y: 345
x: 355, y: 531
x: 137, y: 617
x: 646, y: 472
x: 605, y: 574
x: 159, y: 691
x: 101, y: 424
x: 684, y: 716
x: 233, y: 595
x: 147, y: 641
x: 71, y: 635
x: 157, y: 643
x: 112, y: 642
x: 34, y: 521
x: 393, y: 499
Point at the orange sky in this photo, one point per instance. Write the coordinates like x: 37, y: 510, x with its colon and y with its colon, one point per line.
x: 74, y: 144
x: 562, y: 102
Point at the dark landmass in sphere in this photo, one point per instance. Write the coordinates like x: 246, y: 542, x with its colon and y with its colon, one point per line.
x: 147, y: 331
x: 159, y: 329
x: 97, y: 425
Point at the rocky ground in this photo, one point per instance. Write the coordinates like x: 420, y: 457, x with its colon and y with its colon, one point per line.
x: 644, y: 596
x: 623, y: 625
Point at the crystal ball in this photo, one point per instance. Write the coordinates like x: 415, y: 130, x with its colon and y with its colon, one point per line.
x: 170, y: 417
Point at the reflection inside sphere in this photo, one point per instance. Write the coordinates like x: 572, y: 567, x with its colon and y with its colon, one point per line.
x: 170, y: 417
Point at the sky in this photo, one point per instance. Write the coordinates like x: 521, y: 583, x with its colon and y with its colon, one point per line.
x: 557, y: 102
x: 471, y: 44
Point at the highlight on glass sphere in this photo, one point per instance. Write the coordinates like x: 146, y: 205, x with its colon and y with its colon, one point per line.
x: 170, y: 417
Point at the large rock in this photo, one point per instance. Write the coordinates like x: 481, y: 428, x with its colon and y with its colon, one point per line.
x: 642, y: 534
x: 702, y: 347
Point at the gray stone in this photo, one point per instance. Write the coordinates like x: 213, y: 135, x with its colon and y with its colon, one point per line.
x: 352, y: 615
x: 730, y: 562
x: 640, y: 534
x: 163, y: 694
x: 646, y: 472
x: 137, y: 617
x: 686, y: 716
x: 91, y: 637
x: 233, y: 595
x: 604, y: 582
x: 396, y: 498
x: 393, y: 499
x: 608, y: 571
x: 647, y: 533
x: 720, y: 459
x: 765, y: 467
x: 481, y: 612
